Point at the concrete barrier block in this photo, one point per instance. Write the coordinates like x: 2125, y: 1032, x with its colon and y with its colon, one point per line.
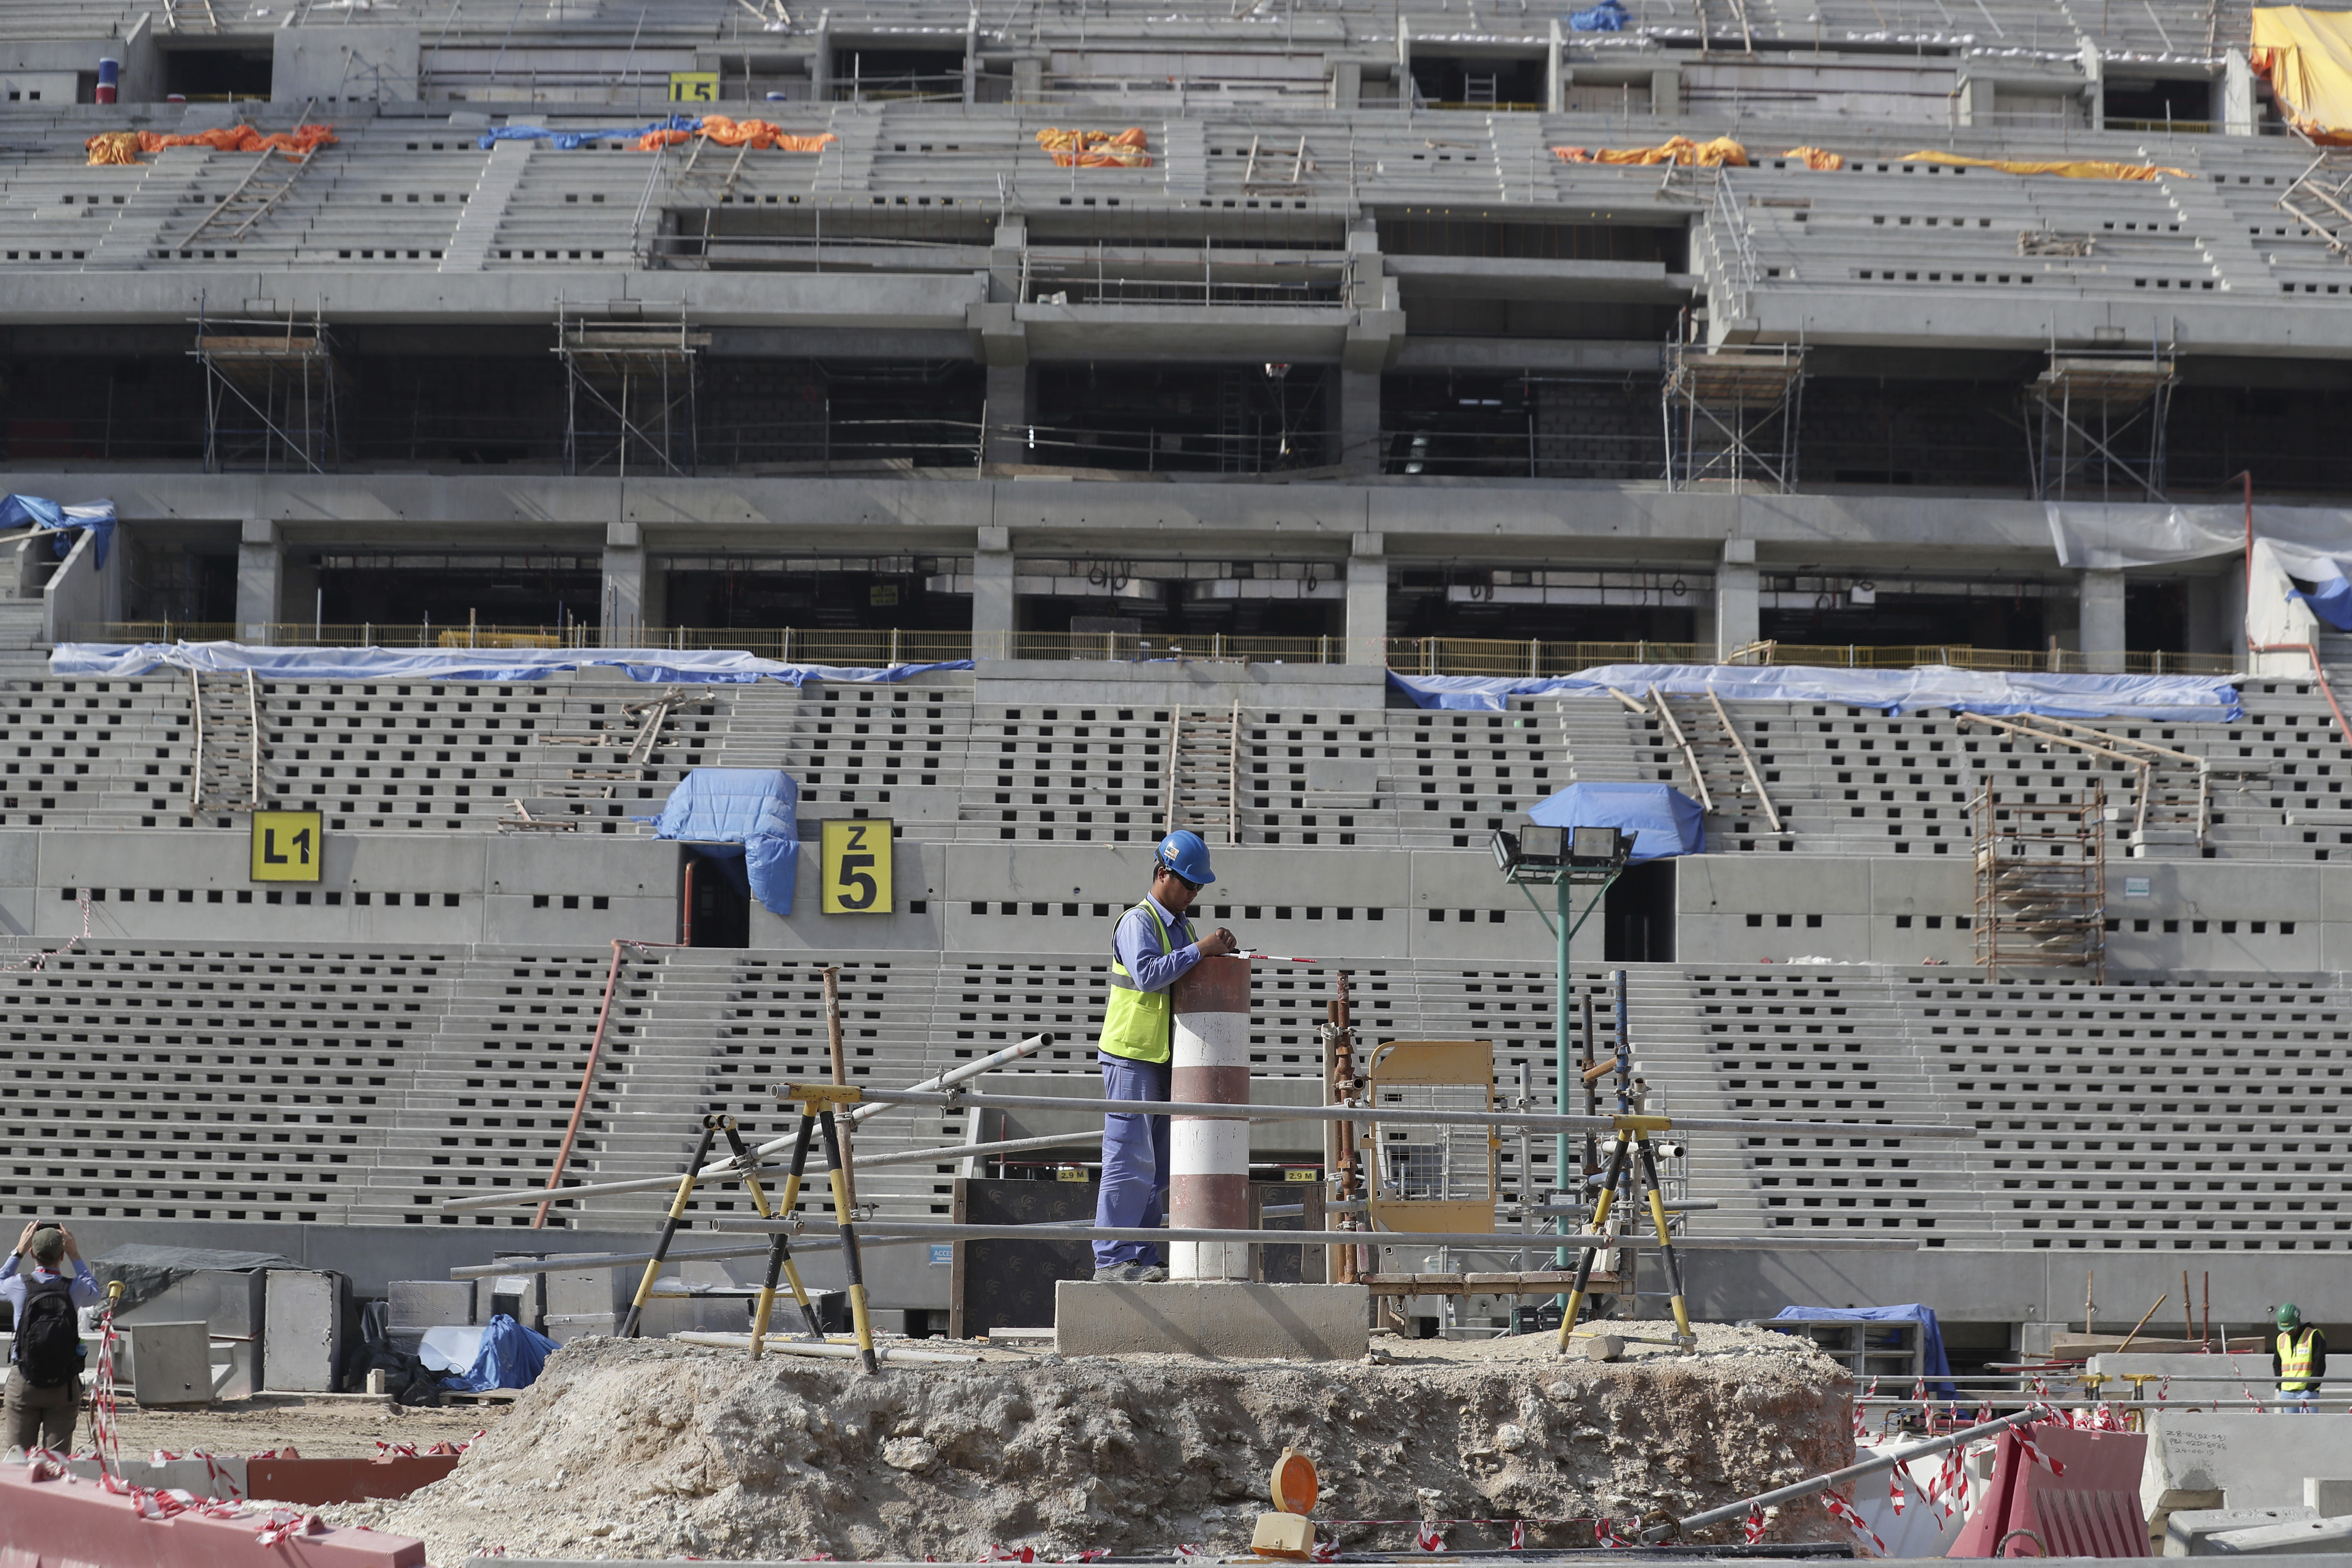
x: 172, y: 1363
x: 65, y: 1520
x: 1216, y: 1319
x: 2186, y: 1530
x: 428, y: 1303
x: 2254, y: 1459
x: 2329, y: 1497
x: 2299, y: 1537
x: 565, y: 1326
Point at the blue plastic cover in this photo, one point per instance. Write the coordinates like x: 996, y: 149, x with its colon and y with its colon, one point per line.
x: 1931, y: 1338
x: 98, y: 516
x: 755, y: 807
x: 570, y: 140
x: 1606, y: 17
x: 685, y: 667
x: 1663, y: 821
x: 510, y: 1357
x: 2158, y: 698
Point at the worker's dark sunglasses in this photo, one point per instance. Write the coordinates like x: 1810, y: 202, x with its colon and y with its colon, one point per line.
x: 1189, y: 886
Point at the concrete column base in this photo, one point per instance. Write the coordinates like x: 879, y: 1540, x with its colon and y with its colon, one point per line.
x: 1215, y: 1320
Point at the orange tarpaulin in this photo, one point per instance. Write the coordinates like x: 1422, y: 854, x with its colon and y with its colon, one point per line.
x: 1095, y: 149
x: 1816, y: 157
x: 1718, y: 154
x: 2307, y: 54
x: 762, y: 135
x: 116, y: 146
x: 2065, y: 168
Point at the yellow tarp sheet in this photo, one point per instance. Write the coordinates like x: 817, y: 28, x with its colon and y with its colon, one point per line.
x: 1816, y: 157
x: 2064, y: 168
x: 1095, y: 149
x: 1721, y: 152
x: 2307, y: 54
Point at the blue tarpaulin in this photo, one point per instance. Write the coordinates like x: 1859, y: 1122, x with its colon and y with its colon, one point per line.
x: 1931, y: 1338
x: 98, y: 516
x: 569, y: 140
x: 685, y: 667
x: 2164, y: 699
x: 510, y: 1357
x: 755, y: 807
x: 1663, y: 820
x: 1606, y: 17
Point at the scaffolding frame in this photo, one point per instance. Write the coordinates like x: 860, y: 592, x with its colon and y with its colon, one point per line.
x: 282, y: 374
x: 2320, y: 198
x: 2094, y: 404
x: 2042, y: 881
x: 631, y: 384
x: 1731, y: 412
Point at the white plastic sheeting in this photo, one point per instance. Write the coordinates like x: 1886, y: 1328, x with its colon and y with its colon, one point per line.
x: 692, y: 667
x: 2311, y: 545
x: 2162, y: 699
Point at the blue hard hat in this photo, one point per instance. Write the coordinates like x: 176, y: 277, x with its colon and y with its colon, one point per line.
x: 1184, y: 853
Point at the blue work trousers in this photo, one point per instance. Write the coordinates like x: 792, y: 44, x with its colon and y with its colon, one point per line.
x: 1135, y: 1162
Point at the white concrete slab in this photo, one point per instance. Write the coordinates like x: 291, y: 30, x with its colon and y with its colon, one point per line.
x: 1216, y: 1320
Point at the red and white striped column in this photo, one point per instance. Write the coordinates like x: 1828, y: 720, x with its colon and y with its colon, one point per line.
x: 1208, y: 1159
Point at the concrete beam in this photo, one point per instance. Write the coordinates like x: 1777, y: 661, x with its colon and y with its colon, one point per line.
x: 1485, y: 278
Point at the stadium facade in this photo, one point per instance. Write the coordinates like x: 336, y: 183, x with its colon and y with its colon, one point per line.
x: 1343, y: 348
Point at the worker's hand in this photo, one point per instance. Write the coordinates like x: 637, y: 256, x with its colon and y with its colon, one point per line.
x: 73, y: 1248
x: 1218, y: 943
x: 24, y: 1238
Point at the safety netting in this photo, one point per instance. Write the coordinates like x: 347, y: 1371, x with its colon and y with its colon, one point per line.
x: 689, y: 667
x: 1096, y: 148
x: 676, y: 130
x: 124, y: 146
x: 2162, y: 699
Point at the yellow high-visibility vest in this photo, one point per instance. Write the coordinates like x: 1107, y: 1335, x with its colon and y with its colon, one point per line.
x: 2295, y: 1362
x: 1138, y: 1024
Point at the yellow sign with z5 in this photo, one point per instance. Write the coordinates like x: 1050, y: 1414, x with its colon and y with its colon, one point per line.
x: 857, y: 867
x: 286, y: 847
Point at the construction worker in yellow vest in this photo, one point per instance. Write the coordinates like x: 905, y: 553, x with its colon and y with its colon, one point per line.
x: 1150, y: 950
x: 2300, y: 1359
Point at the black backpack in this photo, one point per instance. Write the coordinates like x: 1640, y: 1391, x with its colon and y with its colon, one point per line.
x: 48, y: 1336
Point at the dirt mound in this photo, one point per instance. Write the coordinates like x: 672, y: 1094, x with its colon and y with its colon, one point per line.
x: 647, y: 1448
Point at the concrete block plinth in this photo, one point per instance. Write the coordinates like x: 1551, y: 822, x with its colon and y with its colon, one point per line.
x: 1219, y: 1320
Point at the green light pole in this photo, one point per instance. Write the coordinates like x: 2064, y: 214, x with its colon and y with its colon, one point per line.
x: 1568, y: 859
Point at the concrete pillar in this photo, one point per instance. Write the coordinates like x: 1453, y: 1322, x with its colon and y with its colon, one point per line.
x: 2100, y: 632
x: 1555, y: 72
x: 2238, y: 103
x: 995, y: 611
x: 626, y: 612
x: 1347, y: 83
x: 820, y: 64
x: 1975, y: 101
x: 1360, y: 421
x: 260, y: 580
x: 1208, y: 1157
x: 1008, y: 414
x: 1368, y: 600
x: 1666, y: 92
x: 1028, y: 79
x: 1738, y: 613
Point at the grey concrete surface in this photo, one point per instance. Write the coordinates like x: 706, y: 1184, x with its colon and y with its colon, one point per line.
x: 1214, y: 1320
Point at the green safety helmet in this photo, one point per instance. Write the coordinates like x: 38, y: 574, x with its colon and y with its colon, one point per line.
x: 2290, y: 1316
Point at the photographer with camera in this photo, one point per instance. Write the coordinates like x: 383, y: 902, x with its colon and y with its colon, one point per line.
x: 44, y: 1359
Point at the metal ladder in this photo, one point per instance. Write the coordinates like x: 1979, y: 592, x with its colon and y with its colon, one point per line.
x: 1204, y: 774
x: 228, y: 741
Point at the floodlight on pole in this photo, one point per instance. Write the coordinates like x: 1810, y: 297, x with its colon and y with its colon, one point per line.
x: 1567, y: 858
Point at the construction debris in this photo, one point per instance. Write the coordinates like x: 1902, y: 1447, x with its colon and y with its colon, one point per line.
x: 639, y: 1448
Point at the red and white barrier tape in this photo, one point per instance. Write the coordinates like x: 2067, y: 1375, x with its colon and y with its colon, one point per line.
x: 1845, y: 1513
